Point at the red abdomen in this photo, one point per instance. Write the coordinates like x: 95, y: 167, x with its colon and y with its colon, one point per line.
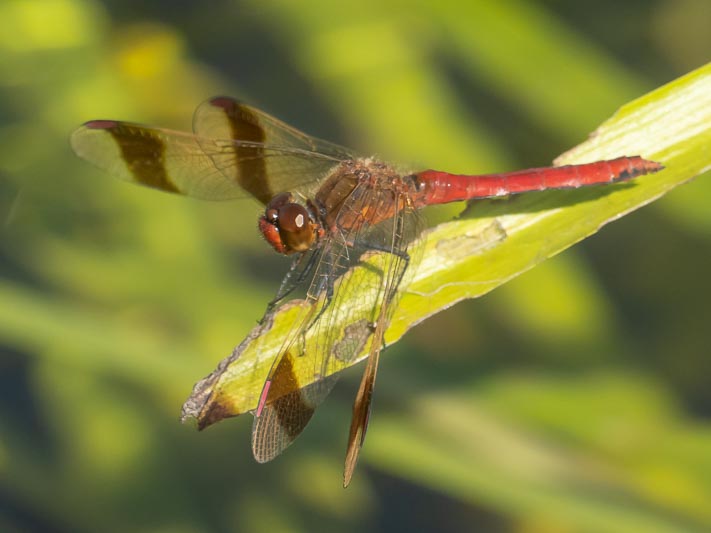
x: 440, y: 187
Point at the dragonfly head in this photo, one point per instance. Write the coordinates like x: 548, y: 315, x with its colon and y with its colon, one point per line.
x: 287, y: 226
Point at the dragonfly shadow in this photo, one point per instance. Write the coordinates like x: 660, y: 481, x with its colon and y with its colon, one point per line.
x: 534, y: 202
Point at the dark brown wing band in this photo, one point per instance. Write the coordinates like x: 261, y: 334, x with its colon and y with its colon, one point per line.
x: 145, y: 159
x: 250, y: 161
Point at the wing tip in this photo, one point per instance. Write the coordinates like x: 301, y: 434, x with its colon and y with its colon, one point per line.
x: 227, y: 103
x: 100, y: 124
x: 260, y: 451
x: 77, y: 139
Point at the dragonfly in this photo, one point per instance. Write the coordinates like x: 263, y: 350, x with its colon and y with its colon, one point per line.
x: 330, y: 210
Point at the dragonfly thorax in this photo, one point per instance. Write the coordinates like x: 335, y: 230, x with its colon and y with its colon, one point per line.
x: 288, y: 226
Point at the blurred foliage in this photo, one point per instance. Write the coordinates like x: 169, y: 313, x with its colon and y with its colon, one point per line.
x: 575, y: 398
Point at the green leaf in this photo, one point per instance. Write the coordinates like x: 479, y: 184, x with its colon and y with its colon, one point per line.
x: 494, y: 241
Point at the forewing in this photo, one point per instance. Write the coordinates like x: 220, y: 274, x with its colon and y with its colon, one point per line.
x: 261, y: 153
x: 236, y: 151
x: 318, y: 348
x: 168, y: 160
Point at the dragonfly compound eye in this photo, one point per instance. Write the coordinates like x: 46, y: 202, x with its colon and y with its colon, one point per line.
x: 286, y: 225
x: 295, y: 228
x: 272, y: 216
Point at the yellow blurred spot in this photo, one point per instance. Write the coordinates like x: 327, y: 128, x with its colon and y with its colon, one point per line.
x: 259, y: 511
x: 673, y: 487
x: 112, y: 438
x: 101, y: 427
x: 322, y: 477
x: 148, y: 51
x: 359, y: 48
x: 558, y: 300
x: 45, y: 24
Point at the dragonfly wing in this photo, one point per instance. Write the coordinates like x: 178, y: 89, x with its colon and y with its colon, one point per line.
x: 168, y: 160
x: 236, y: 151
x: 347, y: 304
x: 361, y: 412
x: 263, y: 154
x: 280, y: 422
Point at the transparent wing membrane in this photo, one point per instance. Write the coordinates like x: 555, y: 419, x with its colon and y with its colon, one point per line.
x: 235, y: 151
x: 363, y: 267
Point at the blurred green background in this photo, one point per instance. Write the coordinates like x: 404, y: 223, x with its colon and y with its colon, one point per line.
x: 575, y: 398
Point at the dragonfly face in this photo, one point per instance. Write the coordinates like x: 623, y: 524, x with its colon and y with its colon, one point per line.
x: 339, y: 208
x: 288, y: 226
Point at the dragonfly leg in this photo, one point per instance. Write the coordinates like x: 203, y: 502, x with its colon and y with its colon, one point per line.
x: 288, y: 285
x: 330, y: 283
x: 404, y: 257
x: 401, y: 254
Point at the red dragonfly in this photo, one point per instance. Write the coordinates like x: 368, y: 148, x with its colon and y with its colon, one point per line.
x: 329, y: 209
